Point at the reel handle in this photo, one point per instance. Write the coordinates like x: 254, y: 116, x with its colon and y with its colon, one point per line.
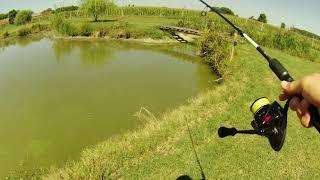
x: 225, y: 132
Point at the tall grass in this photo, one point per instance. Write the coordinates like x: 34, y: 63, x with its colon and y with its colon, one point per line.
x: 24, y: 31
x: 215, y: 50
x: 62, y: 26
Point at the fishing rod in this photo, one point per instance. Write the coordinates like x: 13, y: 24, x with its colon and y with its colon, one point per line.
x: 279, y: 70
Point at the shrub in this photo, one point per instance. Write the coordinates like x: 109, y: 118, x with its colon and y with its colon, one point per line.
x: 262, y: 18
x: 84, y: 30
x: 12, y: 15
x: 39, y: 27
x: 23, y: 17
x: 215, y: 50
x: 224, y: 10
x: 63, y: 26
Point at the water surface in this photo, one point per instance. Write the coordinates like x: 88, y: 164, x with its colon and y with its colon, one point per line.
x: 59, y: 97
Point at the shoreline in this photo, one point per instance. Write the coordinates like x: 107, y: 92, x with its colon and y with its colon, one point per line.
x: 53, y: 36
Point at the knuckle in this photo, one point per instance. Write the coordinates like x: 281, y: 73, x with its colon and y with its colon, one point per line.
x: 306, y: 81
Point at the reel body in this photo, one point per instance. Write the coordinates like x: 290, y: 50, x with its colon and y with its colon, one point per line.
x: 270, y: 120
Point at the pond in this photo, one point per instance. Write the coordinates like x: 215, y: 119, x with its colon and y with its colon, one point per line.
x: 59, y: 97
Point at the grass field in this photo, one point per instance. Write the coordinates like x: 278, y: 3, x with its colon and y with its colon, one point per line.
x: 162, y: 149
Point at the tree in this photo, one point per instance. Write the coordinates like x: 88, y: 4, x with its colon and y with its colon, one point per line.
x: 23, y: 17
x: 12, y: 15
x: 3, y: 16
x: 225, y: 10
x: 262, y: 18
x: 95, y: 8
x: 67, y: 8
x: 283, y: 25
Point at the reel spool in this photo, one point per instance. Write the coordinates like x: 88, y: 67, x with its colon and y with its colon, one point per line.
x: 270, y: 120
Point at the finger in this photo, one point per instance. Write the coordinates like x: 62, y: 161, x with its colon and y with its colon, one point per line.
x: 304, y: 105
x: 283, y: 96
x: 295, y: 105
x: 305, y: 120
x: 294, y: 87
x: 305, y: 114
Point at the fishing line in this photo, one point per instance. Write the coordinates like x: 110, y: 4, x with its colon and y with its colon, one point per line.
x: 194, y: 150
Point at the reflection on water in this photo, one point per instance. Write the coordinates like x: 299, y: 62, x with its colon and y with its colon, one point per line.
x: 21, y: 42
x: 90, y: 53
x: 60, y: 97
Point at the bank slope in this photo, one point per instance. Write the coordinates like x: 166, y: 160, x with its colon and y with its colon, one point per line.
x: 162, y: 149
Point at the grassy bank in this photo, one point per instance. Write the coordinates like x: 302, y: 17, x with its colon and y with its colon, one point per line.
x: 112, y: 28
x: 162, y: 149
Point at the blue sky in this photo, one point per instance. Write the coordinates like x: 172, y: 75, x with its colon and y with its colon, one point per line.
x: 301, y: 14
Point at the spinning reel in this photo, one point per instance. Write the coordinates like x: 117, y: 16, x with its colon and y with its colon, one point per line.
x: 270, y: 120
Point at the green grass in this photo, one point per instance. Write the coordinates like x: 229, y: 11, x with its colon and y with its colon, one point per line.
x: 162, y: 150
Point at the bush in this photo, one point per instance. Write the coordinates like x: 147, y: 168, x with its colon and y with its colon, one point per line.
x: 262, y: 18
x: 24, y: 31
x: 215, y: 50
x: 12, y: 15
x: 39, y: 27
x: 63, y: 26
x: 23, y: 17
x: 84, y: 30
x: 224, y: 10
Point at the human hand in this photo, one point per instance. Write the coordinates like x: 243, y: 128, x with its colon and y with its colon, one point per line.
x: 309, y: 88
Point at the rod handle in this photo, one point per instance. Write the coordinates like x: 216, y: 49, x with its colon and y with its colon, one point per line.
x: 280, y: 71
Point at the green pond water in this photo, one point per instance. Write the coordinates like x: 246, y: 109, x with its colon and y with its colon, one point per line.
x: 59, y: 97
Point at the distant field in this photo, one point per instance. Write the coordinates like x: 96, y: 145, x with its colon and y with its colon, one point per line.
x: 142, y: 22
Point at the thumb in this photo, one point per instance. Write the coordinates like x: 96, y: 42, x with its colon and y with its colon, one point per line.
x: 294, y: 87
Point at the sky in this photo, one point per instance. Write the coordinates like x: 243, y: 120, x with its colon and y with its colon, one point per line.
x: 297, y: 13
